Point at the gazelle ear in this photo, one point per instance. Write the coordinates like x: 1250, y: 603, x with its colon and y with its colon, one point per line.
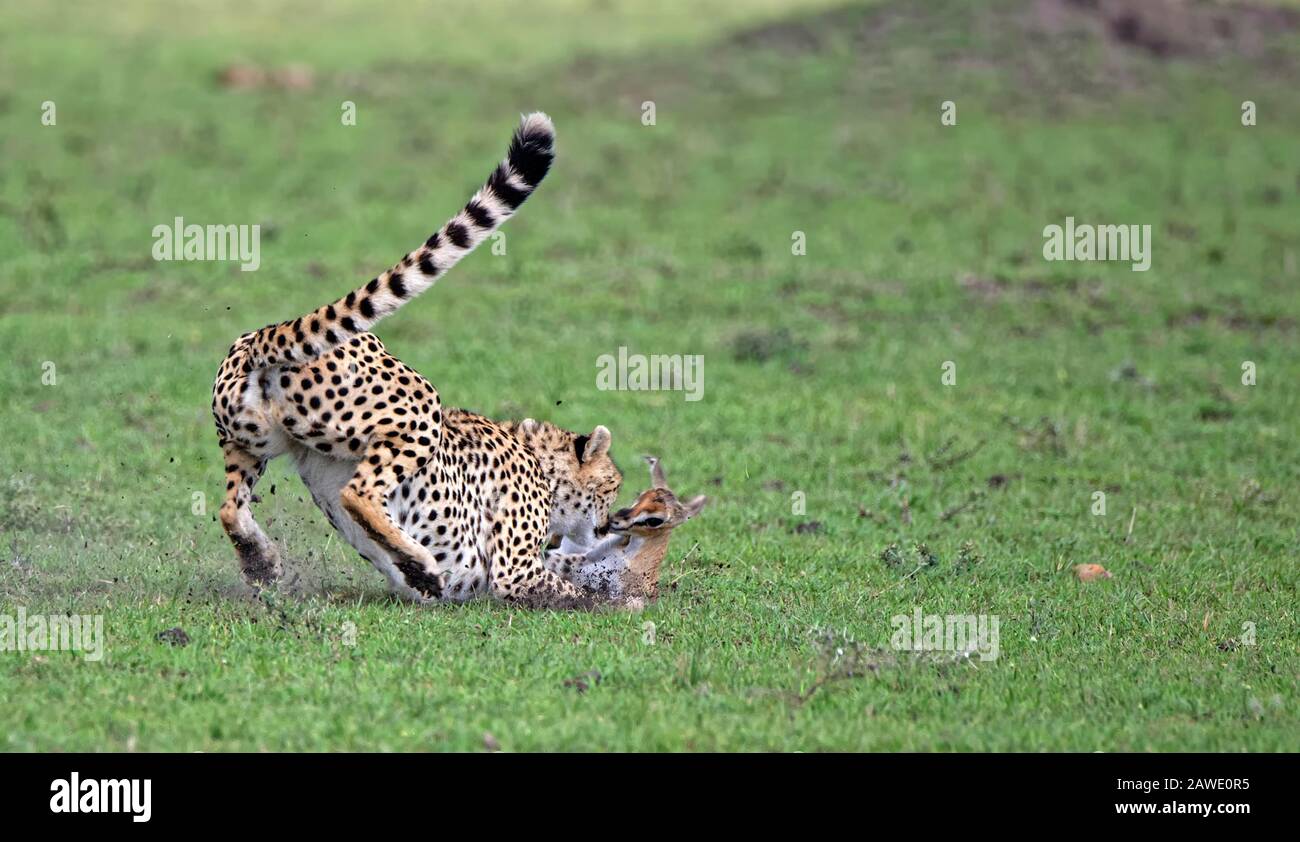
x: 657, y: 479
x: 694, y: 505
x: 592, y: 446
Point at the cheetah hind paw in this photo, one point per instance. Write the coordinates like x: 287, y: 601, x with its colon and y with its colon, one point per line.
x: 260, y: 562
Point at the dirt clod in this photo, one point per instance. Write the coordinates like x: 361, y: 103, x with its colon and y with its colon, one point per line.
x: 762, y: 345
x: 582, y: 683
x: 175, y: 636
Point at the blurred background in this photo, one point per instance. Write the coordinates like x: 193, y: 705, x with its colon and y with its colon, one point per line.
x: 774, y: 122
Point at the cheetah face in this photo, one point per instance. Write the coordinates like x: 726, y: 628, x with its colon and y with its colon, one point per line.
x: 586, y: 489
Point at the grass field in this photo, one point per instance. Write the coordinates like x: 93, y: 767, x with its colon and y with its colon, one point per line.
x: 824, y: 371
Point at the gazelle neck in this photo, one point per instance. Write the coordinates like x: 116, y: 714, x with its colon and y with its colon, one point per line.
x: 642, y: 575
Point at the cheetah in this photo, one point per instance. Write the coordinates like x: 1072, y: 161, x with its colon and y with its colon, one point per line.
x: 447, y: 504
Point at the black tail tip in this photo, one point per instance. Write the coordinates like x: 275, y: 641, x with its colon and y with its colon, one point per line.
x: 533, y: 148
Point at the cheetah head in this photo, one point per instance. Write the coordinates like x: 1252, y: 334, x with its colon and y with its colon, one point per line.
x: 585, y: 478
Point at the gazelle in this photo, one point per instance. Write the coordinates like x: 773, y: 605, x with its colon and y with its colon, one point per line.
x: 625, y: 565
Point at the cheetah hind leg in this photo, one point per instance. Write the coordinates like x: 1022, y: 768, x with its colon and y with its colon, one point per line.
x: 259, y: 560
x: 364, y: 498
x: 326, y: 478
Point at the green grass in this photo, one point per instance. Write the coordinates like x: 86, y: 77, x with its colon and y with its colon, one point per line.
x: 822, y: 372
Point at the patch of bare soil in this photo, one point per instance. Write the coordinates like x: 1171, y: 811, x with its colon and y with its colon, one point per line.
x: 1168, y: 28
x: 243, y: 77
x: 1046, y: 42
x: 1162, y: 28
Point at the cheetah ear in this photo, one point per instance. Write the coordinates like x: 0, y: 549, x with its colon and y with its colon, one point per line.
x: 694, y: 505
x: 528, y: 427
x: 593, y: 446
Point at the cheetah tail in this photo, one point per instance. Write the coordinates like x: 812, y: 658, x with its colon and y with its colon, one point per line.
x: 526, y: 163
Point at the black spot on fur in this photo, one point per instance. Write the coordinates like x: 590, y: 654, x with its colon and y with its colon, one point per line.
x: 458, y: 235
x: 480, y: 215
x: 531, y: 154
x: 501, y: 187
x: 396, y: 284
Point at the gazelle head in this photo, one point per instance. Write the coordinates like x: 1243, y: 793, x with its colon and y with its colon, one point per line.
x: 657, y: 510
